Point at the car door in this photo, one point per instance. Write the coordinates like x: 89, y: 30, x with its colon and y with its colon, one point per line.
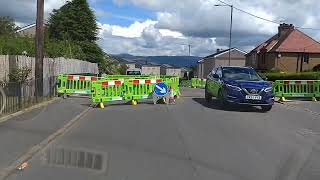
x: 217, y: 82
x: 210, y: 82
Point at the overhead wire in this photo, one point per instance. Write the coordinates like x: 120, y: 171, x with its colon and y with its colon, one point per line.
x: 268, y: 20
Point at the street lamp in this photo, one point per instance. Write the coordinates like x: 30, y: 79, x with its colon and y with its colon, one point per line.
x: 231, y: 18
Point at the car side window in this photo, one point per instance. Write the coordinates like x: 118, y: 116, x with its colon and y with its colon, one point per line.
x: 219, y: 72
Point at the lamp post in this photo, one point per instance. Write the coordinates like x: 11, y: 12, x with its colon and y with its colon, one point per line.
x: 230, y: 33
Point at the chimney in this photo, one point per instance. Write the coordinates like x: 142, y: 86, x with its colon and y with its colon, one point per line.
x: 284, y: 28
x: 218, y: 50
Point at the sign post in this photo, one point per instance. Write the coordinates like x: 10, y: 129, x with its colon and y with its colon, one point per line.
x: 161, y: 91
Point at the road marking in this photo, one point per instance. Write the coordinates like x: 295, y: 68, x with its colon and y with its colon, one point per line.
x: 43, y: 144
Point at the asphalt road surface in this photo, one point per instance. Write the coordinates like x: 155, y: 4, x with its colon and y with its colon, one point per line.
x: 191, y: 140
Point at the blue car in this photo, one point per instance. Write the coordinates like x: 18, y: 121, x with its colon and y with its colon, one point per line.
x: 240, y: 86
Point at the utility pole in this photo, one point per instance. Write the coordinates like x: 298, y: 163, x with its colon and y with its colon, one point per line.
x: 230, y: 33
x: 230, y: 38
x: 39, y: 47
x: 189, y: 49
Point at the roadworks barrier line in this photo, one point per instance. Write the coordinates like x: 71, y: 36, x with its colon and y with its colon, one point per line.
x: 296, y: 89
x: 82, y: 85
x: 198, y: 83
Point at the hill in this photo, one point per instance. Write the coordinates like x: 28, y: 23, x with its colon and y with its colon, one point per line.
x: 180, y: 61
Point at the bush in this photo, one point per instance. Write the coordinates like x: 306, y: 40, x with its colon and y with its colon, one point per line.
x: 292, y: 76
x: 316, y: 68
x: 19, y: 75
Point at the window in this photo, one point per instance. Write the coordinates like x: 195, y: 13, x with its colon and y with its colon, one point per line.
x: 306, y: 58
x: 219, y: 72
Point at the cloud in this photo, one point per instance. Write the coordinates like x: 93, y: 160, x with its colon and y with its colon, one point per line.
x: 143, y: 38
x: 200, y: 18
x: 24, y: 11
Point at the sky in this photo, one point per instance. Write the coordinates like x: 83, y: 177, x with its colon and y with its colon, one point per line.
x: 167, y: 27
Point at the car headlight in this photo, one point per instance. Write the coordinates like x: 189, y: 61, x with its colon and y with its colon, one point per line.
x: 236, y: 88
x: 269, y: 89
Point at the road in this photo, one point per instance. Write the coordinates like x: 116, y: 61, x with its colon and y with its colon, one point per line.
x: 189, y: 140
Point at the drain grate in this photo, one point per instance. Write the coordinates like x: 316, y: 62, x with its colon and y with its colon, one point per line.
x: 74, y: 158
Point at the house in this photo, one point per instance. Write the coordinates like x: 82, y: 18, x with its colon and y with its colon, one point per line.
x: 200, y: 69
x: 290, y: 50
x: 185, y: 73
x: 220, y: 58
x: 169, y: 70
x: 27, y: 31
x: 129, y: 63
x: 148, y: 68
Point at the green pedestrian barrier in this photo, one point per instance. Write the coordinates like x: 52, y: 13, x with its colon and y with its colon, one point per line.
x: 117, y: 90
x: 139, y: 89
x: 107, y: 91
x: 115, y: 77
x: 198, y: 83
x: 296, y: 88
x: 173, y: 83
x: 75, y: 84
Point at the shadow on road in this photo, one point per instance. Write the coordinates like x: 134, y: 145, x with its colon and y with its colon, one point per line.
x: 215, y: 105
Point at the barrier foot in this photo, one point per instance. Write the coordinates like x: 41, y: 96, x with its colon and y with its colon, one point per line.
x: 101, y: 105
x: 282, y: 99
x: 314, y: 99
x: 134, y: 102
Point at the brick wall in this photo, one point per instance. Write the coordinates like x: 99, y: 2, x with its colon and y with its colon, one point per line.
x: 288, y: 62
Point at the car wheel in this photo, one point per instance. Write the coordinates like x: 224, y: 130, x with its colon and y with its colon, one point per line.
x: 207, y: 95
x: 266, y: 108
x: 222, y: 101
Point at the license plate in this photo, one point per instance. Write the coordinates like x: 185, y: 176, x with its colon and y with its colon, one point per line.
x: 253, y: 97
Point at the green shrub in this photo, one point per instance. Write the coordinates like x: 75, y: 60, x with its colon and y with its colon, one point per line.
x: 19, y: 74
x: 316, y: 68
x: 292, y: 76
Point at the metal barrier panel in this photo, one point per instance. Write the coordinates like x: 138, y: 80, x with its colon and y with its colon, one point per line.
x: 107, y: 91
x: 317, y: 88
x: 173, y: 82
x: 296, y: 88
x: 115, y: 77
x: 75, y: 84
x: 137, y: 89
x: 198, y: 83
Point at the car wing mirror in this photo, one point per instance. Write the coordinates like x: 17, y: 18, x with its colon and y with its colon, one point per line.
x: 216, y: 76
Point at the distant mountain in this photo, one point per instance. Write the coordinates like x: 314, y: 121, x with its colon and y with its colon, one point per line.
x: 180, y: 61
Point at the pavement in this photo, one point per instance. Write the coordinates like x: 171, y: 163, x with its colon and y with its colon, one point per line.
x: 189, y: 140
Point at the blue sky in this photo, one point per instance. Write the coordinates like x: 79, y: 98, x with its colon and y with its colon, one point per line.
x: 122, y: 15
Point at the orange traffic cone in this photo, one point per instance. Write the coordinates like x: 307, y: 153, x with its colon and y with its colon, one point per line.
x: 172, y: 97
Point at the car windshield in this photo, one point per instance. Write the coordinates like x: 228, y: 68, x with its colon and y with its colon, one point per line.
x: 245, y: 74
x: 133, y: 73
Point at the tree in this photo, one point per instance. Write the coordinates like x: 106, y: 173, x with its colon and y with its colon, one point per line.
x: 122, y: 69
x: 74, y: 21
x: 7, y: 25
x: 316, y: 68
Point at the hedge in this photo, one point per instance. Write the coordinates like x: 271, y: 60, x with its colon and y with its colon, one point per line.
x: 292, y: 76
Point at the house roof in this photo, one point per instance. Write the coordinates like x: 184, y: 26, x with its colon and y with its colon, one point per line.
x: 26, y: 27
x: 167, y: 66
x: 291, y: 41
x: 217, y: 54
